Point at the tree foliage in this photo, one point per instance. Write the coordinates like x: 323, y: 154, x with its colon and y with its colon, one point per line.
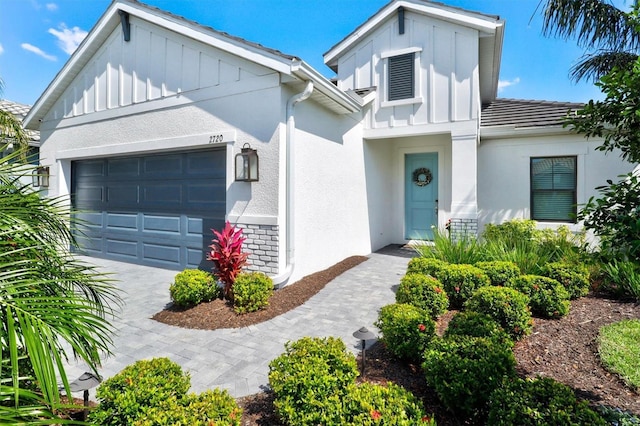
x: 609, y: 35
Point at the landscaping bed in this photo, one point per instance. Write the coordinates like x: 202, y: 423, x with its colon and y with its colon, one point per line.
x: 565, y: 349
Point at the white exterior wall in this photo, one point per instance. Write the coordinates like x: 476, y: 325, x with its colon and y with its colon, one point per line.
x: 331, y: 217
x: 446, y: 72
x: 504, y: 176
x: 385, y: 171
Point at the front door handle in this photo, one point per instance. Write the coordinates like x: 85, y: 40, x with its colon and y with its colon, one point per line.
x: 436, y: 208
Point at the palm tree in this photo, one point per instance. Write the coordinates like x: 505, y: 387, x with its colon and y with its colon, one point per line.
x: 51, y: 305
x: 610, y: 35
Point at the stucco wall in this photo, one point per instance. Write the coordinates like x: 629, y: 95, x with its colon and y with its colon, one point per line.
x: 331, y: 217
x: 503, y: 172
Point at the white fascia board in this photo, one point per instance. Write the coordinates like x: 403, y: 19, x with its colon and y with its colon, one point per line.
x: 484, y: 24
x: 497, y: 60
x: 511, y: 131
x: 306, y: 73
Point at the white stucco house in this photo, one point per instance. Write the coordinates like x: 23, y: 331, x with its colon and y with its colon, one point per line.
x: 142, y: 125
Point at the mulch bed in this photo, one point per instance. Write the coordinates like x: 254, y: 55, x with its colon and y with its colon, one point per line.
x: 564, y: 349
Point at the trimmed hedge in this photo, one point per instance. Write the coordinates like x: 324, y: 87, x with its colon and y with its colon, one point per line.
x: 547, y: 297
x: 498, y: 271
x: 465, y: 370
x: 251, y: 292
x: 539, y: 402
x: 425, y: 265
x: 193, y: 286
x: 475, y: 324
x: 424, y: 292
x: 507, y: 306
x: 406, y: 330
x: 573, y: 276
x: 461, y: 281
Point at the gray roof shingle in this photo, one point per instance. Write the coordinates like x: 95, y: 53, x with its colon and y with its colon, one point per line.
x: 525, y: 113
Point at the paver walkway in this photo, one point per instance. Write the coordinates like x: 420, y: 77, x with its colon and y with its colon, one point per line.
x: 238, y: 359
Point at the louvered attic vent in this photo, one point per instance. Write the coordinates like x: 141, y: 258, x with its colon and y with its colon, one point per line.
x: 401, y: 77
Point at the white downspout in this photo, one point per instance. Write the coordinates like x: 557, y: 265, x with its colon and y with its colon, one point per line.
x: 282, y: 278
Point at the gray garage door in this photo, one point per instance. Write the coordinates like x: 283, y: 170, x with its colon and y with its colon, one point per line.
x: 153, y: 210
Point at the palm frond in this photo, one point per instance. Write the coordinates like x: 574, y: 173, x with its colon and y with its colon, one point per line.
x: 594, y: 66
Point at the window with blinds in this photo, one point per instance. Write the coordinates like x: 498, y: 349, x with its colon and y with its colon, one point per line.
x: 553, y: 189
x: 401, y: 78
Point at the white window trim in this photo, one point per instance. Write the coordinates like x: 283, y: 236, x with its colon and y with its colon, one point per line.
x: 416, y: 74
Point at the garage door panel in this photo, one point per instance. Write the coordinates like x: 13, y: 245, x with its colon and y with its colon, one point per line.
x: 119, y: 194
x: 161, y: 224
x: 156, y: 210
x: 124, y: 167
x: 122, y: 221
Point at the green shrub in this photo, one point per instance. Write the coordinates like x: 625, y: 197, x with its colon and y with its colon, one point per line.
x: 406, y: 330
x: 510, y: 232
x: 547, y: 297
x: 619, y: 350
x: 574, y: 277
x: 251, y: 292
x: 371, y: 404
x: 507, y: 306
x: 193, y: 286
x: 463, y: 249
x: 499, y: 271
x: 475, y: 324
x: 425, y: 265
x: 210, y: 407
x: 541, y: 401
x: 464, y: 370
x: 127, y: 396
x: 310, y: 378
x: 617, y: 417
x: 424, y: 292
x: 460, y: 282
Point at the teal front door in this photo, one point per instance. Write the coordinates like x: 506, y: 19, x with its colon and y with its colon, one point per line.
x: 420, y: 195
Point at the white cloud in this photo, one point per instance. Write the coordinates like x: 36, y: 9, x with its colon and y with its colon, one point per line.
x: 68, y: 39
x: 503, y: 84
x: 37, y: 51
x: 1, y: 49
x: 52, y: 7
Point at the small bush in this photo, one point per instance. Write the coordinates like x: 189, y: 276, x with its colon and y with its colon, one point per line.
x: 541, y: 401
x: 464, y: 371
x: 507, y: 306
x: 192, y: 286
x: 425, y: 265
x: 210, y: 407
x: 619, y: 350
x: 547, y: 297
x: 510, y: 232
x: 499, y: 272
x: 370, y: 404
x: 309, y: 378
x: 251, y: 292
x: 127, y: 396
x: 475, y: 324
x: 574, y: 277
x: 406, y: 330
x: 424, y: 292
x: 461, y: 281
x: 617, y: 417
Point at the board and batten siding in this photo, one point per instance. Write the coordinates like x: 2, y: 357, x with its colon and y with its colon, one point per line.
x: 447, y: 79
x: 154, y: 64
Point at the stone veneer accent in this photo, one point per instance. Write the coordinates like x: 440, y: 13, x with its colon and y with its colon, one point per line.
x: 262, y: 244
x: 462, y: 228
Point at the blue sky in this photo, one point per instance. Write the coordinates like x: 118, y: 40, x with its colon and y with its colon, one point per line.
x: 37, y: 37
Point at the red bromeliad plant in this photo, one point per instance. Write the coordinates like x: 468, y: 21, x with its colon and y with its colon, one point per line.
x: 227, y: 256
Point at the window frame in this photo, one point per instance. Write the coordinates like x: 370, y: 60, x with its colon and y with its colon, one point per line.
x: 574, y: 191
x: 415, y: 51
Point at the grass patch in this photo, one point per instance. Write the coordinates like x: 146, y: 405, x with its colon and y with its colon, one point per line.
x: 619, y: 347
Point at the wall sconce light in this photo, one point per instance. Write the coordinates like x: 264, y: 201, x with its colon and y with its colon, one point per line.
x: 40, y: 177
x: 247, y: 164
